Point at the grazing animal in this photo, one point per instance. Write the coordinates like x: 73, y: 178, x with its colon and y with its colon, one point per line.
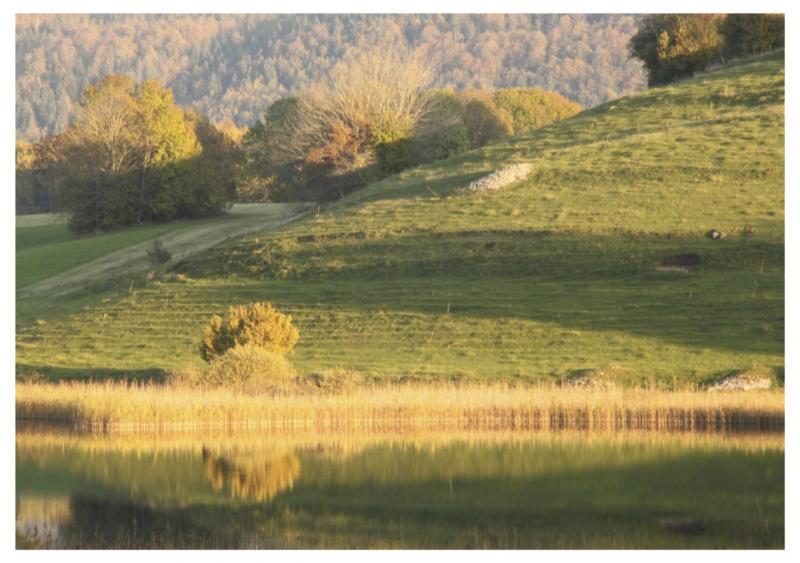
x: 714, y: 234
x: 680, y: 263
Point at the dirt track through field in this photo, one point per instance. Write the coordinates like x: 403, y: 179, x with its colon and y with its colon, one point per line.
x: 181, y: 243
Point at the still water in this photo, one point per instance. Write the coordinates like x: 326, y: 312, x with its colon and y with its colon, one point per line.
x: 553, y: 490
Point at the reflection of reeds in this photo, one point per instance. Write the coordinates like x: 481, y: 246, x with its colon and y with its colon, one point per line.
x: 34, y: 508
x: 120, y: 407
x: 257, y: 445
x: 39, y: 518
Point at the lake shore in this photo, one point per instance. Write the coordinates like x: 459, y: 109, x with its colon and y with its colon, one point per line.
x: 120, y: 407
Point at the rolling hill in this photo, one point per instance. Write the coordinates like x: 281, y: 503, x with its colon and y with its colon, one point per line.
x: 551, y: 275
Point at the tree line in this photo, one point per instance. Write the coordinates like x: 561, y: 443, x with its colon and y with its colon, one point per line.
x: 230, y: 67
x: 131, y: 155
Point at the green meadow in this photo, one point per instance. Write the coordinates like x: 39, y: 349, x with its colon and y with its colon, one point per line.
x: 531, y: 282
x: 45, y: 250
x: 51, y: 259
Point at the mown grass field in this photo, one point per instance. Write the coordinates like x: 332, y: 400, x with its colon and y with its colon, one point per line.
x: 45, y: 250
x: 50, y: 257
x: 531, y: 282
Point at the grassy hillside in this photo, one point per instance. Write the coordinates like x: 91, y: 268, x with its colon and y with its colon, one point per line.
x: 553, y: 274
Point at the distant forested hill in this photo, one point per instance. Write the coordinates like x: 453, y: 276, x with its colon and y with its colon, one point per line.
x: 232, y: 67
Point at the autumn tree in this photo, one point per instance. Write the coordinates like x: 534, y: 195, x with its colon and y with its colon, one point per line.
x: 674, y: 46
x: 106, y: 128
x: 279, y: 167
x: 133, y: 156
x: 41, y: 178
x: 25, y: 183
x: 750, y: 34
x: 165, y: 136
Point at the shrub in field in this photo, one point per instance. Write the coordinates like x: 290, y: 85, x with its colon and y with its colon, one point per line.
x: 531, y: 108
x: 257, y: 324
x: 443, y: 132
x: 484, y: 120
x: 606, y: 377
x: 158, y: 254
x: 187, y: 376
x: 248, y: 367
x: 30, y: 376
x: 394, y: 156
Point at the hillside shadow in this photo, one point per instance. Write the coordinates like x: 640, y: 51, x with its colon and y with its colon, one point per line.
x: 52, y: 373
x: 733, y: 301
x: 602, y: 502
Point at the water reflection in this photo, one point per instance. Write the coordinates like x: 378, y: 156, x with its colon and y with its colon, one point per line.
x: 42, y: 518
x: 478, y: 490
x: 251, y: 477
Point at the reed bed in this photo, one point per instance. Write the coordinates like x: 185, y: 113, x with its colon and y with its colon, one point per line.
x: 121, y: 407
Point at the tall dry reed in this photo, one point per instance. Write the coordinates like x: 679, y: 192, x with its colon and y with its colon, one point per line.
x: 121, y: 407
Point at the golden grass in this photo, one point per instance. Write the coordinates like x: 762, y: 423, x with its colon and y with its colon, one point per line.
x: 408, y: 408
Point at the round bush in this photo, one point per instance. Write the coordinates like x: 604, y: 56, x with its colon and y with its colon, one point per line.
x: 531, y: 108
x: 249, y: 367
x: 484, y: 120
x: 257, y: 324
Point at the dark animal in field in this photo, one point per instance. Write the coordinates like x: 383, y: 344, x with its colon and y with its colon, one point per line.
x: 680, y: 262
x: 714, y: 234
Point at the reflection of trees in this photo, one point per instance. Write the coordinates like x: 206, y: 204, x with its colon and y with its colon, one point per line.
x: 256, y: 479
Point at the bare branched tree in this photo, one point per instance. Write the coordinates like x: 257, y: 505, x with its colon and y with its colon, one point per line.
x: 369, y: 98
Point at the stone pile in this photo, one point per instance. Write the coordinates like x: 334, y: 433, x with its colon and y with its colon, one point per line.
x: 500, y: 178
x: 747, y: 380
